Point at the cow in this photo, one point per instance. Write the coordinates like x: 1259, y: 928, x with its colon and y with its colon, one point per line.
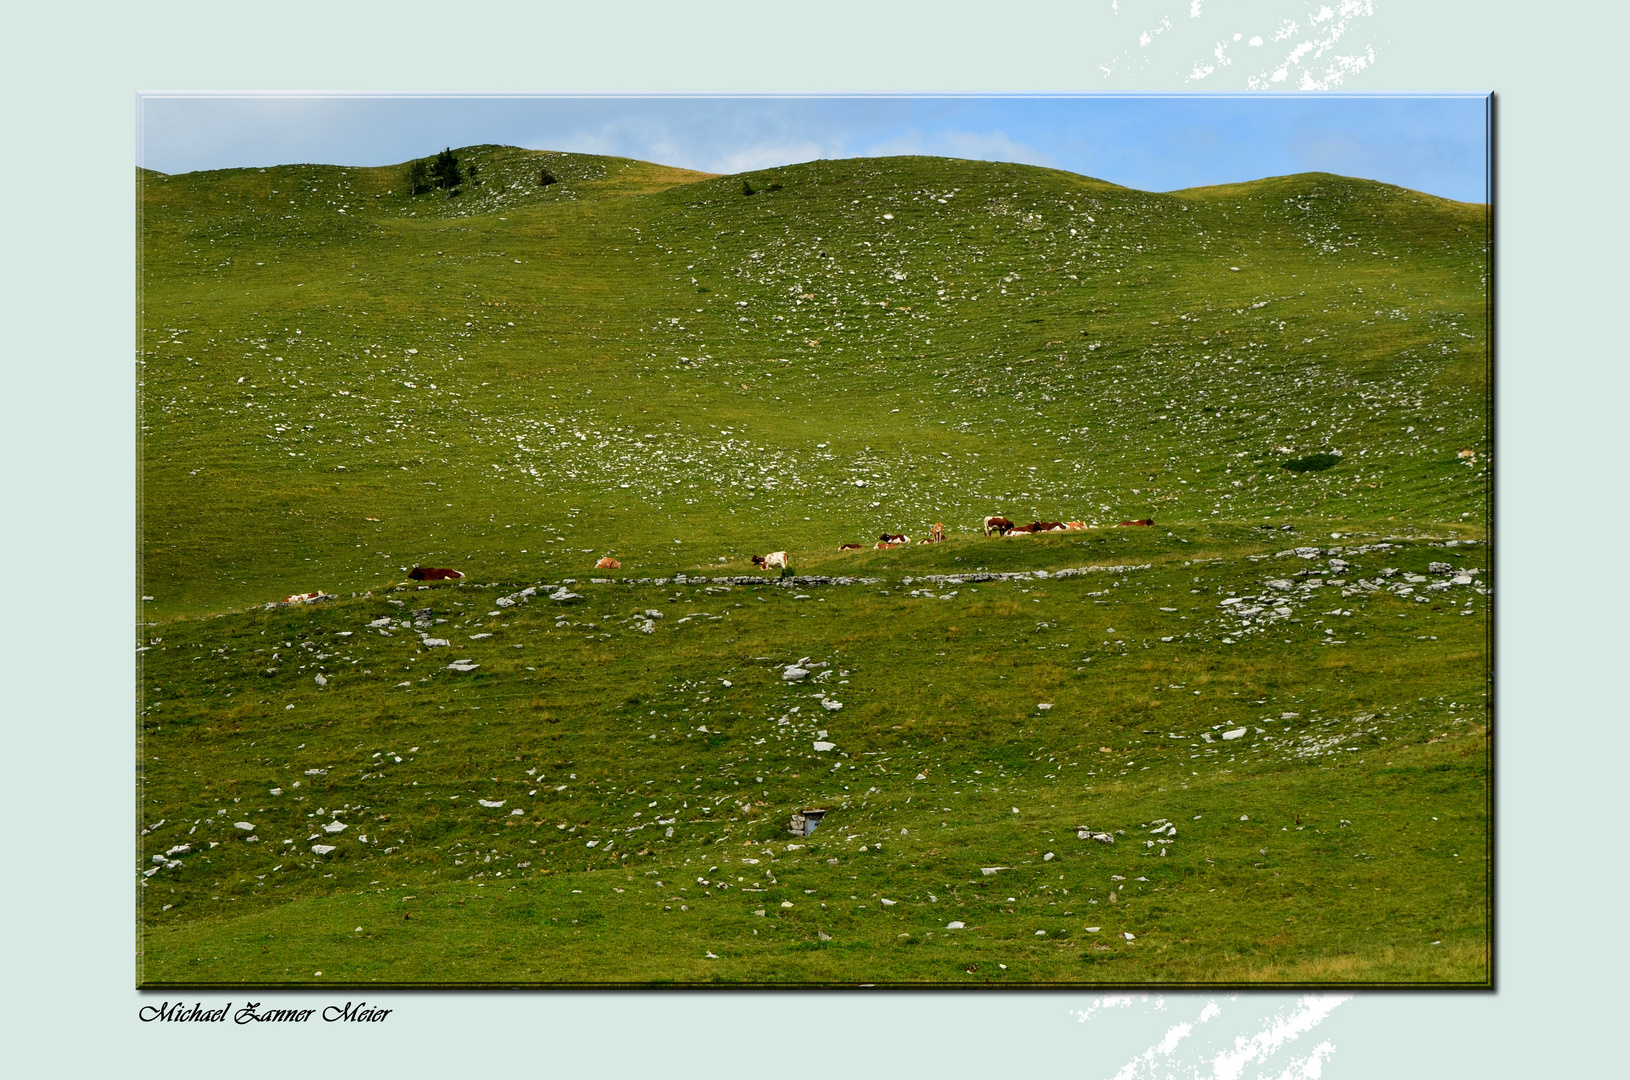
x: 888, y: 540
x: 848, y: 547
x: 936, y: 534
x: 1033, y: 527
x: 433, y: 573
x: 1075, y: 526
x: 304, y: 598
x: 771, y: 561
x: 999, y: 525
x: 1051, y: 526
x: 608, y: 563
x: 1140, y: 521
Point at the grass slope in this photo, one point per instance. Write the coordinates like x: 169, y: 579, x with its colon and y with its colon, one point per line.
x: 340, y: 381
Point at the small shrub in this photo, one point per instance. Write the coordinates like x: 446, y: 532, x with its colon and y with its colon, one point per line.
x: 1312, y: 463
x: 746, y: 188
x: 545, y: 178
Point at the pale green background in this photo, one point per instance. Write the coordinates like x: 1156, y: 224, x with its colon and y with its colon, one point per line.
x: 69, y: 436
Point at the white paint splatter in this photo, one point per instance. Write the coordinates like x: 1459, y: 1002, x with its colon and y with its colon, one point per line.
x: 1229, y: 1065
x: 1112, y: 1001
x: 1272, y: 1045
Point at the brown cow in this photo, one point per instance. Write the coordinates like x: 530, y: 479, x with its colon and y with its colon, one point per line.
x: 892, y: 540
x: 1051, y: 526
x: 999, y: 525
x: 433, y: 573
x: 1033, y: 527
x: 1140, y: 521
x: 608, y: 563
x: 1075, y: 526
x: 848, y: 547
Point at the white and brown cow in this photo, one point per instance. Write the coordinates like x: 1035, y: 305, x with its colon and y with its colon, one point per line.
x: 774, y: 560
x: 998, y: 524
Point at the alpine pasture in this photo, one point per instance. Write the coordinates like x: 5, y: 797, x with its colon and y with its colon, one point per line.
x: 1247, y: 744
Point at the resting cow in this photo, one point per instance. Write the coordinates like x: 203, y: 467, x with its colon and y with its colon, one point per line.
x: 1051, y: 526
x: 1033, y: 527
x: 1140, y: 521
x: 848, y: 547
x: 433, y: 573
x: 608, y: 563
x: 1075, y: 526
x: 892, y: 540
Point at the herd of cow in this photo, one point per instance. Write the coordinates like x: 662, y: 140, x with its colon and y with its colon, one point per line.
x: 1001, y: 526
x: 777, y: 560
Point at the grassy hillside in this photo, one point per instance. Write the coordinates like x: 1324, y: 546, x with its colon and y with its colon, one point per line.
x: 341, y: 380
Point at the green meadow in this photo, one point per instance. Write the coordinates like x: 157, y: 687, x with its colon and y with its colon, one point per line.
x: 1247, y: 745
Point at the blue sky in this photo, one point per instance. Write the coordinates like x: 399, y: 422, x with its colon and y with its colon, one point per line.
x: 1432, y: 144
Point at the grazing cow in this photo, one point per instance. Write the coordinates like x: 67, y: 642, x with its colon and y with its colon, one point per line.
x: 433, y: 573
x: 998, y: 525
x: 1140, y: 521
x: 848, y: 547
x: 1075, y: 526
x: 771, y: 561
x: 1051, y: 526
x: 608, y: 563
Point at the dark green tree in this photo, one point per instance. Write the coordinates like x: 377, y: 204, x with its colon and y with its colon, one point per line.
x: 445, y: 170
x: 545, y: 178
x: 418, y: 178
x: 471, y: 173
x: 746, y: 188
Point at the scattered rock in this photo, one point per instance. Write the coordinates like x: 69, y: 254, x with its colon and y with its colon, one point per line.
x: 956, y: 924
x: 822, y: 747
